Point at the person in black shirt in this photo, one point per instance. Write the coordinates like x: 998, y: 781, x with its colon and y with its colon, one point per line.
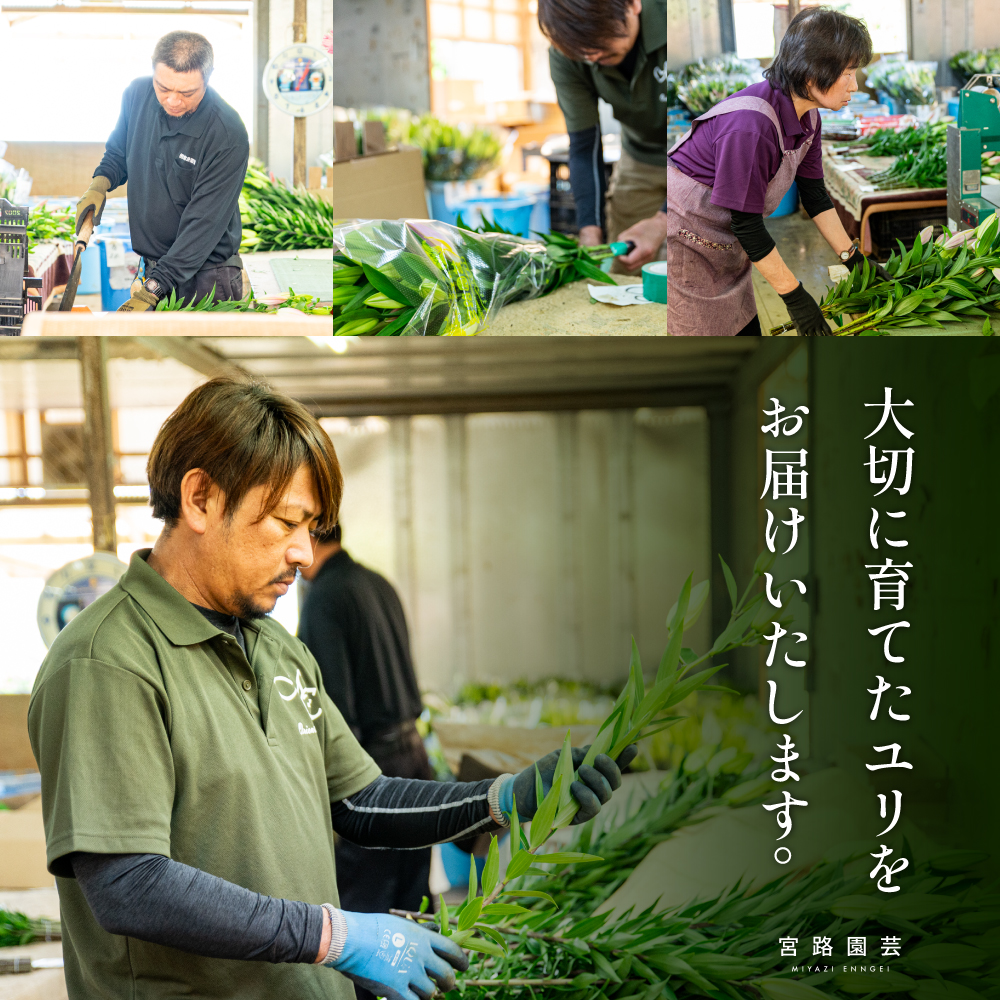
x: 353, y: 623
x: 184, y: 152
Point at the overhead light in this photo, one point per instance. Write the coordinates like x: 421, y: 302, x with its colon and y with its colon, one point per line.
x: 338, y: 345
x: 132, y: 492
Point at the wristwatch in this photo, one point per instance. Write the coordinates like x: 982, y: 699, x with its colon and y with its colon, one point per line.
x: 846, y: 255
x: 153, y: 287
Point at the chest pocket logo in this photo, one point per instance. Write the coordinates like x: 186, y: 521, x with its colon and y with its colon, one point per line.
x: 187, y: 159
x: 298, y: 690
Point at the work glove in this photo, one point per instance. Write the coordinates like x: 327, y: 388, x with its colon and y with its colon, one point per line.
x: 805, y: 313
x: 396, y: 958
x: 94, y: 199
x: 592, y: 790
x: 141, y: 301
x: 857, y: 260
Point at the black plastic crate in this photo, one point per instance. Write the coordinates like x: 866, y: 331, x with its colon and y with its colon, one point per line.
x: 562, y: 207
x: 13, y: 267
x: 903, y: 224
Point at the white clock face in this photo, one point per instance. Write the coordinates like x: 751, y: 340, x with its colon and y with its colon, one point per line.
x: 299, y: 80
x: 70, y: 589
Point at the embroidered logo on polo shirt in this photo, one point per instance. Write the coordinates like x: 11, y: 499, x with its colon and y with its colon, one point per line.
x: 306, y: 730
x: 298, y: 690
x: 187, y: 159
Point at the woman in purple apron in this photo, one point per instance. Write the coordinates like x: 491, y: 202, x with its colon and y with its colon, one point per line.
x: 735, y: 165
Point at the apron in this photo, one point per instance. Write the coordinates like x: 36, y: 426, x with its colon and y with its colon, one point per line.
x: 711, y: 284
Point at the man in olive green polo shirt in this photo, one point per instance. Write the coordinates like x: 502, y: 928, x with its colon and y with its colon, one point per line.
x: 615, y: 50
x: 194, y: 770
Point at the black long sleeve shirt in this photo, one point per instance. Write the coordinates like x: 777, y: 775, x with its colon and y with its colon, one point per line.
x: 184, y: 179
x: 353, y: 623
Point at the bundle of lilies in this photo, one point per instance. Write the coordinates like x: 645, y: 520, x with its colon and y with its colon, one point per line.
x: 948, y: 280
x: 421, y: 277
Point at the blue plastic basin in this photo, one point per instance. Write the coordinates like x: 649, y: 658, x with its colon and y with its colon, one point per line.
x: 788, y: 204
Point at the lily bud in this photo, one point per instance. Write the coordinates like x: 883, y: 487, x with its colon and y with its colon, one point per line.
x: 925, y: 234
x: 959, y: 238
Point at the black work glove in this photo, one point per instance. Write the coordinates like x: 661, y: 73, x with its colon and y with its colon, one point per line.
x: 592, y: 790
x: 857, y: 260
x: 806, y: 314
x: 93, y: 201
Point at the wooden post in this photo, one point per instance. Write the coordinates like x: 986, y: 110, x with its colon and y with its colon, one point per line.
x: 299, y: 127
x: 794, y: 6
x: 345, y: 143
x: 98, y: 447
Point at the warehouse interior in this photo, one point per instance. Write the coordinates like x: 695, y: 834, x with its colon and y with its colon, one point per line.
x: 535, y: 510
x: 886, y: 162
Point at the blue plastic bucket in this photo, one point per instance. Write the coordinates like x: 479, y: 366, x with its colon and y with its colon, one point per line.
x: 112, y: 298
x: 90, y: 271
x: 514, y: 214
x: 788, y: 204
x: 456, y: 865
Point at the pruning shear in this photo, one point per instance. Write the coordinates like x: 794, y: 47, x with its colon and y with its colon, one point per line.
x: 623, y: 249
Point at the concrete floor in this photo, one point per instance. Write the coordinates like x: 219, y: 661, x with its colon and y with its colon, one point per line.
x: 808, y: 256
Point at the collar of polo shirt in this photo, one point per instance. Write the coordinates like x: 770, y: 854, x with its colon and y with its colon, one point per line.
x: 175, y: 616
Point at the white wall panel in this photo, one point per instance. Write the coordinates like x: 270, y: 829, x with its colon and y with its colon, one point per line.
x: 530, y: 544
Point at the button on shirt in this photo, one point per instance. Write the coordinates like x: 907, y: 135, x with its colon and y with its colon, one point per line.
x: 152, y: 738
x: 638, y: 100
x: 184, y: 179
x: 738, y: 154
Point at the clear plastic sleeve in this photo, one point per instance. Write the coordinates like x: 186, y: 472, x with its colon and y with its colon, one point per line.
x: 445, y: 281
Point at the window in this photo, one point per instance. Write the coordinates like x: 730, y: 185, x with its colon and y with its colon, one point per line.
x: 755, y: 22
x: 67, y: 69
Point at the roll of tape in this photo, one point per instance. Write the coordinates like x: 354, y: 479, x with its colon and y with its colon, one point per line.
x: 654, y: 281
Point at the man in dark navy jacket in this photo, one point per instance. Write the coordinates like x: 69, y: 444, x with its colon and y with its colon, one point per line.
x: 184, y: 152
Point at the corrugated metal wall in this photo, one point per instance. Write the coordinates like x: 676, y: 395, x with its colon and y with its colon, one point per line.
x: 530, y: 544
x: 693, y: 31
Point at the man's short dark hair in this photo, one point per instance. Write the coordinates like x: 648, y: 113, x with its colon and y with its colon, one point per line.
x: 184, y: 51
x: 576, y: 27
x: 243, y: 434
x: 820, y: 44
x: 333, y: 535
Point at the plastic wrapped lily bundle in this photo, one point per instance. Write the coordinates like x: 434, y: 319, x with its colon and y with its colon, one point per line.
x: 970, y: 62
x: 418, y: 277
x: 903, y: 79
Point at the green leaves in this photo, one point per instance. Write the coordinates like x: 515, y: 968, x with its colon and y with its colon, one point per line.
x: 470, y: 913
x: 491, y: 870
x: 541, y: 823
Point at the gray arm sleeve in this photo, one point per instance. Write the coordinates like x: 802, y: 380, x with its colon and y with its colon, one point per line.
x: 154, y: 898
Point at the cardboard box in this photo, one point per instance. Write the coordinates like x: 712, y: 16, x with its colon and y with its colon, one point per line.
x: 59, y: 169
x: 382, y: 186
x: 22, y: 848
x: 15, y: 749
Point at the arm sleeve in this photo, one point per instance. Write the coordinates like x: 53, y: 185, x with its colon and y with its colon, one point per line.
x: 586, y: 175
x: 154, y: 898
x: 206, y: 216
x: 112, y: 164
x: 407, y: 814
x: 749, y: 229
x: 814, y: 196
x: 89, y: 760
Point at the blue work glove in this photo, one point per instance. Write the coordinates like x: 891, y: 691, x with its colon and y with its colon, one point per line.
x: 396, y: 958
x: 592, y: 790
